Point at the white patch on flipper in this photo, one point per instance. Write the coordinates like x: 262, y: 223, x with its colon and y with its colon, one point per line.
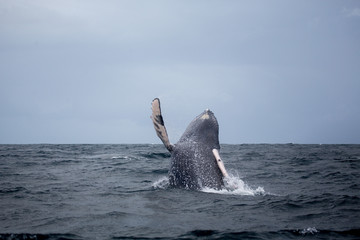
x: 220, y: 163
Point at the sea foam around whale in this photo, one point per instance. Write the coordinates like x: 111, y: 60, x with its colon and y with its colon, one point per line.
x: 234, y: 185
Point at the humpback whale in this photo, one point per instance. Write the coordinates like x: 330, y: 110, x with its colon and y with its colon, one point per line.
x: 195, y: 160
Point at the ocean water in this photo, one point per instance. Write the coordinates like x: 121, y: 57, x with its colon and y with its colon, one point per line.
x: 285, y: 191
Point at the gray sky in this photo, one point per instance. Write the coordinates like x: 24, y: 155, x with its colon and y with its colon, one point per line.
x: 82, y: 71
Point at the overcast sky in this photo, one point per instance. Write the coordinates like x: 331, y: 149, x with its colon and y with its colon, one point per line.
x: 83, y: 71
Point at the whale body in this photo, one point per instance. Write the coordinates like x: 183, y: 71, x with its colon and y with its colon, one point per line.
x: 195, y: 160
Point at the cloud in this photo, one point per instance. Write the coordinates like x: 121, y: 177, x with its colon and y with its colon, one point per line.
x: 353, y: 12
x: 86, y: 71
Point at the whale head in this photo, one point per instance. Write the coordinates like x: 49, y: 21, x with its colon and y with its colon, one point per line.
x: 203, y: 129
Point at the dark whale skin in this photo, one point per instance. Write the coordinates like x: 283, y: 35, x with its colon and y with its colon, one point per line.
x: 193, y: 165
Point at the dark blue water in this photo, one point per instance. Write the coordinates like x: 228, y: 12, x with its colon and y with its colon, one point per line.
x: 286, y: 191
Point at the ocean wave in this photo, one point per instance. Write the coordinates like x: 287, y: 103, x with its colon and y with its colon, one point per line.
x: 306, y: 233
x: 7, y: 190
x: 156, y: 155
x: 31, y: 236
x: 280, y: 234
x: 120, y: 157
x: 83, y: 190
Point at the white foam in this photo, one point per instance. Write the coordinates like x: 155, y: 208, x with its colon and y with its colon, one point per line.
x: 309, y: 230
x: 235, y: 186
x: 162, y: 183
x: 120, y: 157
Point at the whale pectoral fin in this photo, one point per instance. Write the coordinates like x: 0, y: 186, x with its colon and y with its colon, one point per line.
x: 220, y: 162
x: 159, y: 124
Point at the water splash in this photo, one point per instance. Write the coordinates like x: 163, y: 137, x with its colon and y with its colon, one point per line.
x: 162, y: 183
x: 309, y: 230
x: 235, y: 186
